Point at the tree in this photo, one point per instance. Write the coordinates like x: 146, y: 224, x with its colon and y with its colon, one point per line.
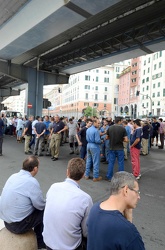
x: 89, y: 112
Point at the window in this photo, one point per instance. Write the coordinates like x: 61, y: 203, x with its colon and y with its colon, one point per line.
x: 163, y: 92
x: 87, y: 78
x: 134, y: 80
x: 97, y: 78
x: 105, y: 89
x: 158, y: 94
x: 117, y: 69
x: 145, y: 62
x: 160, y: 53
x: 106, y: 79
x: 117, y: 76
x: 96, y: 96
x: 115, y: 100
x: 148, y: 70
x: 153, y: 85
x: 95, y: 105
x: 147, y: 79
x: 106, y: 72
x: 143, y: 89
x: 147, y: 104
x: 87, y: 86
x: 160, y: 64
x: 158, y: 103
x: 144, y: 72
x: 154, y: 66
x: 86, y: 96
x: 97, y: 70
x: 147, y: 88
x: 158, y: 84
x: 153, y: 95
x: 143, y: 81
x: 149, y: 60
x: 105, y: 97
x: 96, y: 87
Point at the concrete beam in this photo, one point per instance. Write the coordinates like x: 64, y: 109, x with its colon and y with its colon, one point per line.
x: 20, y: 72
x: 8, y: 92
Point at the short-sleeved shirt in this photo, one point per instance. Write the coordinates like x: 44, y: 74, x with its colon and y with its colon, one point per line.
x: 116, y: 135
x: 29, y: 126
x: 72, y: 128
x: 146, y: 131
x: 40, y: 127
x: 109, y: 229
x: 137, y: 134
x: 82, y: 133
x: 57, y: 126
x: 155, y: 126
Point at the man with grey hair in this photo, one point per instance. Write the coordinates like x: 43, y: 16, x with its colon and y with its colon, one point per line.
x: 110, y: 222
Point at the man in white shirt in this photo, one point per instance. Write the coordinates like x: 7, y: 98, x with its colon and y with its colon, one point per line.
x: 66, y: 211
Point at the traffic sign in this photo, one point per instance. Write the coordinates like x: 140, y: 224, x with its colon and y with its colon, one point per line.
x: 29, y: 105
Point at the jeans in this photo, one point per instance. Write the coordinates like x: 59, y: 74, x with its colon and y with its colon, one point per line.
x: 32, y: 140
x: 38, y: 145
x: 33, y: 220
x: 93, y: 159
x: 111, y: 161
x: 83, y: 152
x: 1, y: 141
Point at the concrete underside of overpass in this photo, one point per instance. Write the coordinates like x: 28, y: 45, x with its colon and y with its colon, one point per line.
x: 61, y: 38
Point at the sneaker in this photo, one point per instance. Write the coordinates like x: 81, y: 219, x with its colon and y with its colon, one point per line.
x: 138, y: 177
x: 86, y: 177
x: 98, y: 179
x: 71, y: 153
x: 28, y: 153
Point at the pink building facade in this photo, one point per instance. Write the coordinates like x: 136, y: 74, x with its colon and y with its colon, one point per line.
x: 124, y: 92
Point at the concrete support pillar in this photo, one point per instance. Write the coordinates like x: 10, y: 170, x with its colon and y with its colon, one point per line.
x: 34, y: 92
x: 10, y: 241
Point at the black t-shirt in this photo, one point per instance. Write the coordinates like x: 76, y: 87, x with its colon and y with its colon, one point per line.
x: 82, y: 133
x: 29, y: 126
x: 116, y: 135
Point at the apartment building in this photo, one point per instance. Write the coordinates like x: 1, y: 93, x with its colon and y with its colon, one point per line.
x: 152, y: 87
x: 146, y: 88
x: 97, y: 88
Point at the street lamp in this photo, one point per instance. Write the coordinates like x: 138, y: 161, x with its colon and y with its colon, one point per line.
x: 138, y: 93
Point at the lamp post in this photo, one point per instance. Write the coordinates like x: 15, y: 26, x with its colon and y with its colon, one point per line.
x: 138, y: 93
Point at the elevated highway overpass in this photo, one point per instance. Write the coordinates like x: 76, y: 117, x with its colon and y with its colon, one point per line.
x: 43, y: 42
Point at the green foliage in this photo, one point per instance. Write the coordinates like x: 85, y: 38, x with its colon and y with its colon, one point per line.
x: 89, y: 112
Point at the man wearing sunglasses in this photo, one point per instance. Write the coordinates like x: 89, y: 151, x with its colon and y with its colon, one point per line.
x: 110, y: 222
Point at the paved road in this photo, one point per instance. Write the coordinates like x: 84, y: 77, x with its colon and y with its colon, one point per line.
x: 149, y: 216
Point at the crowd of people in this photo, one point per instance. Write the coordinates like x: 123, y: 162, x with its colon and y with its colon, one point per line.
x: 93, y: 139
x: 67, y: 219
